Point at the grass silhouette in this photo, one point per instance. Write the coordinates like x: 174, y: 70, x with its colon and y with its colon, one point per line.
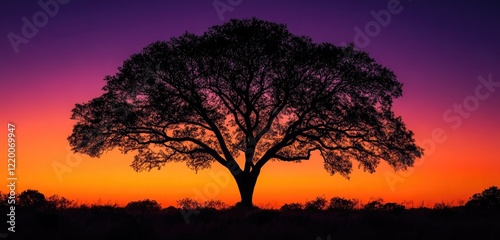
x: 60, y: 218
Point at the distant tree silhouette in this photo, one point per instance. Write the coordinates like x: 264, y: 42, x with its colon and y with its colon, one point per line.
x: 58, y: 202
x: 391, y: 206
x: 32, y: 199
x: 145, y: 205
x: 214, y: 205
x: 488, y: 199
x: 247, y: 88
x: 291, y: 207
x: 376, y: 204
x: 319, y: 203
x: 338, y: 203
x: 4, y: 198
x: 189, y: 204
x: 442, y: 206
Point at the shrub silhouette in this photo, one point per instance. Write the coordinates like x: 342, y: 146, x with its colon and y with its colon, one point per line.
x: 317, y: 204
x: 488, y: 199
x: 99, y: 211
x: 391, y: 206
x: 188, y: 204
x: 338, y: 203
x: 376, y: 204
x: 109, y: 221
x: 32, y: 199
x: 145, y: 205
x: 214, y: 205
x: 58, y: 202
x: 291, y: 207
x: 442, y: 206
x: 4, y: 198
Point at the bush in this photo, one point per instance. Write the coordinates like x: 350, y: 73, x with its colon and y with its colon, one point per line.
x: 338, y: 203
x: 377, y: 204
x: 391, y: 206
x: 188, y: 204
x: 4, y: 198
x: 108, y: 209
x: 317, y: 204
x: 214, y: 205
x: 32, y: 199
x: 59, y: 203
x: 291, y: 207
x: 488, y: 199
x: 145, y: 205
x: 442, y: 206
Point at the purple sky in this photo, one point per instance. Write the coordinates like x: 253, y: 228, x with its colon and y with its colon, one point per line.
x: 444, y: 40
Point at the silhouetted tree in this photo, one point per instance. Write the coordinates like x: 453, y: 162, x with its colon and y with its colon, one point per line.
x: 338, y: 203
x: 32, y: 199
x: 319, y: 203
x: 488, y: 199
x: 145, y: 205
x: 391, y: 206
x: 58, y: 202
x: 214, y: 204
x: 291, y: 207
x: 376, y: 204
x: 4, y: 198
x: 250, y: 88
x: 442, y: 206
x: 189, y: 204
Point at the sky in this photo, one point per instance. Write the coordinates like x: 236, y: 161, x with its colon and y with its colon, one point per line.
x: 54, y: 54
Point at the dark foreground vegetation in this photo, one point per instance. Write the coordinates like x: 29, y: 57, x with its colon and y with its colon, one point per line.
x: 337, y: 218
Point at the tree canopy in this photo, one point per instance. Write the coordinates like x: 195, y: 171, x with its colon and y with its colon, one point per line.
x: 488, y: 199
x: 251, y: 89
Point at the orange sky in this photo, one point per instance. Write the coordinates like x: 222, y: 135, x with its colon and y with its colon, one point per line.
x: 465, y: 163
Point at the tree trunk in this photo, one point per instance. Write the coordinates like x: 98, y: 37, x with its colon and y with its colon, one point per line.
x: 246, y: 183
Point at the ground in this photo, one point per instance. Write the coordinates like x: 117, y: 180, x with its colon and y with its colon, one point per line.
x: 111, y: 222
